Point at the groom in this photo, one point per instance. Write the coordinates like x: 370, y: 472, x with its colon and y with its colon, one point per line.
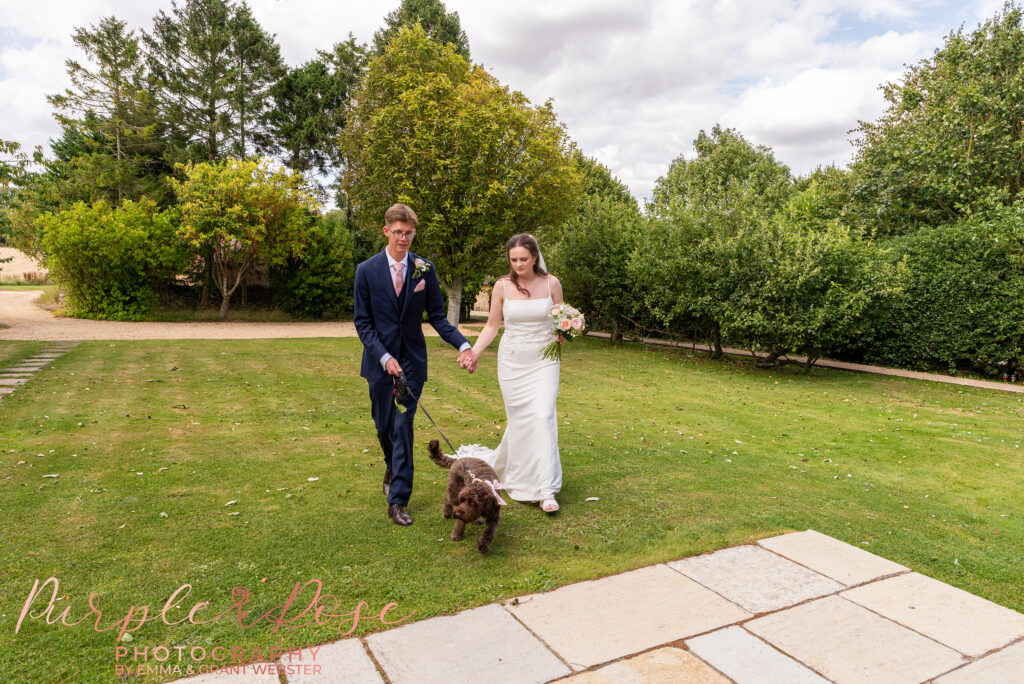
x: 392, y: 291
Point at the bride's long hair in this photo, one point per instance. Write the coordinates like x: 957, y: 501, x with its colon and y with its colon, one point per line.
x: 530, y: 243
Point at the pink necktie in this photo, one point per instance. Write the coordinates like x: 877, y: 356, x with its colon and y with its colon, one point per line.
x: 398, y: 279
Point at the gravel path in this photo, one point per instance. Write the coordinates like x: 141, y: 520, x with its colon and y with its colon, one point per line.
x: 28, y: 321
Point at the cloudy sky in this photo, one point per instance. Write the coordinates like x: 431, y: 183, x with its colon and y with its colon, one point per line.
x: 634, y: 80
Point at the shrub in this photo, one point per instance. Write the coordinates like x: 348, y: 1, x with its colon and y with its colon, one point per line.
x: 962, y: 307
x: 319, y: 281
x: 111, y: 262
x: 592, y: 260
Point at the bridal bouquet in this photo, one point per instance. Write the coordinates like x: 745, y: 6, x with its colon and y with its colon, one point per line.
x: 568, y: 322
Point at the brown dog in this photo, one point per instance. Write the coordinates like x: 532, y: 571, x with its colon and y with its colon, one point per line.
x: 472, y: 494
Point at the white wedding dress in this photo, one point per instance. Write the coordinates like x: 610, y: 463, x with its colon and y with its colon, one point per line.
x: 526, y: 461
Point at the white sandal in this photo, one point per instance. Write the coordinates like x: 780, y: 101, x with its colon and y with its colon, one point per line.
x: 549, y: 505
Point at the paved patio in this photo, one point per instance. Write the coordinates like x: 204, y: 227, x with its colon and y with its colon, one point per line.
x: 793, y: 609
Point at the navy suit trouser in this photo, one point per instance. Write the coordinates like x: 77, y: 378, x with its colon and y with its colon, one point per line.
x: 394, y: 432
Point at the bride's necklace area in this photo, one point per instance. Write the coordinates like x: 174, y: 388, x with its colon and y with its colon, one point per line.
x: 526, y: 284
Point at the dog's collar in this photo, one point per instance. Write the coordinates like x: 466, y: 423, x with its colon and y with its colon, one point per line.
x: 494, y: 485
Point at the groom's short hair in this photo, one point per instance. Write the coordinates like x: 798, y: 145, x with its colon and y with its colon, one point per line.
x: 401, y: 212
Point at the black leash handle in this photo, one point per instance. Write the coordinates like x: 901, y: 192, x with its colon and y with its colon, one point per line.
x: 401, y: 390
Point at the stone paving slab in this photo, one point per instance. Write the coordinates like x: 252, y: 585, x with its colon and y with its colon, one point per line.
x: 748, y: 660
x: 662, y: 666
x: 951, y: 616
x: 6, y: 390
x: 343, y: 661
x: 848, y: 643
x: 1002, y: 667
x: 13, y: 381
x: 481, y: 645
x: 756, y: 579
x: 830, y: 557
x: 594, y: 622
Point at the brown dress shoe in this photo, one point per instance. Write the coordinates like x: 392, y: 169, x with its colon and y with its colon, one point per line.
x: 399, y: 515
x: 387, y: 482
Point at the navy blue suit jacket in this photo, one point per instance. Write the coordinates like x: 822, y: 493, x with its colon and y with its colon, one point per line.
x: 384, y: 326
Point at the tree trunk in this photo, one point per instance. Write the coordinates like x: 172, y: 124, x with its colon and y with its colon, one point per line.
x: 716, y: 341
x: 616, y: 333
x: 454, y: 299
x: 224, y: 304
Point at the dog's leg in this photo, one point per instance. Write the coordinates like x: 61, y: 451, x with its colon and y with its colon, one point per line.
x: 448, y: 508
x: 484, y: 544
x: 459, y: 530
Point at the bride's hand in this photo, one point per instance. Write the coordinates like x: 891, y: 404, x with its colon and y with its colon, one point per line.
x: 468, y: 360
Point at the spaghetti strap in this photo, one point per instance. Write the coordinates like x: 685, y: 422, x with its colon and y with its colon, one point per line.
x: 502, y: 281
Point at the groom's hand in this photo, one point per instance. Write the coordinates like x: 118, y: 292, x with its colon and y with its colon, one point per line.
x: 392, y: 367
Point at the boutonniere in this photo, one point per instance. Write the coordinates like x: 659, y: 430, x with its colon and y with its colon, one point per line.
x: 421, y: 268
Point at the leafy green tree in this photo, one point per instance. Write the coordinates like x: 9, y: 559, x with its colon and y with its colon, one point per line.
x: 800, y: 291
x: 441, y: 26
x: 598, y: 181
x: 214, y: 66
x: 111, y: 262
x: 309, y: 107
x: 257, y: 67
x: 320, y: 280
x: 961, y: 308
x: 592, y: 261
x: 15, y: 169
x: 698, y: 209
x: 111, y: 112
x: 475, y: 160
x: 951, y: 140
x: 241, y: 213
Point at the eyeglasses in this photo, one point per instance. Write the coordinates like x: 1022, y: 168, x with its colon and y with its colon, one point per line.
x: 402, y: 235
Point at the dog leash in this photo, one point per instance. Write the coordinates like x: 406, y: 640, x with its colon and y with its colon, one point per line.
x: 401, y: 390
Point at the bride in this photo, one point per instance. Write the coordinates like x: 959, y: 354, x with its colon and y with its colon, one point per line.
x: 527, y: 460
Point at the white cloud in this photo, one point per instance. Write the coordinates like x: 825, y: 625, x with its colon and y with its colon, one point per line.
x: 634, y: 80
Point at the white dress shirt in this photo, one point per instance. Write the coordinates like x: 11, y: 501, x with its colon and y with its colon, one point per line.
x: 405, y: 269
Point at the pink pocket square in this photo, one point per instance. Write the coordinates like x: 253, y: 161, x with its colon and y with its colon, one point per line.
x: 419, y: 286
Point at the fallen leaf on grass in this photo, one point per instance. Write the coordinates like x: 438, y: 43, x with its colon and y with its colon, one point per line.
x: 231, y: 503
x: 593, y: 498
x: 52, y: 475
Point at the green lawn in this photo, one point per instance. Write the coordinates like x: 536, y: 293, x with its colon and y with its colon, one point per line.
x: 686, y: 455
x: 12, y: 352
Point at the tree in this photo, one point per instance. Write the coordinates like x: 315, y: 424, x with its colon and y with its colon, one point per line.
x: 309, y: 107
x: 441, y: 26
x: 240, y: 213
x: 592, y: 261
x: 699, y: 208
x: 112, y: 261
x: 214, y: 65
x: 14, y: 172
x: 951, y: 140
x: 960, y: 309
x: 475, y: 160
x: 112, y: 109
x: 257, y: 66
x: 320, y: 280
x: 801, y: 291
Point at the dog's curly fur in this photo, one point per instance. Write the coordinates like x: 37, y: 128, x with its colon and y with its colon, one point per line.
x: 468, y: 500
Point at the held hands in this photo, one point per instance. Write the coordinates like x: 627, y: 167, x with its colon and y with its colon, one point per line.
x: 468, y: 360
